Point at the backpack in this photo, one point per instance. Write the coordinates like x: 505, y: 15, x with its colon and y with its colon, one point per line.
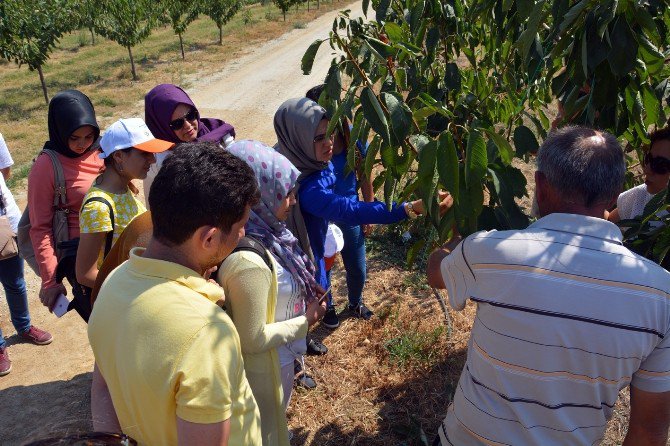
x: 60, y: 229
x: 248, y: 243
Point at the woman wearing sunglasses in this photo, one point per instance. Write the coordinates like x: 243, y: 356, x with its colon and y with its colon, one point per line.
x: 656, y: 168
x: 172, y: 116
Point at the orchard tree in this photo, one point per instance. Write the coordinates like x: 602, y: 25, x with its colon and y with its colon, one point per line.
x: 450, y: 92
x: 221, y: 12
x: 88, y: 12
x: 181, y: 13
x: 30, y: 31
x: 284, y: 5
x: 127, y: 22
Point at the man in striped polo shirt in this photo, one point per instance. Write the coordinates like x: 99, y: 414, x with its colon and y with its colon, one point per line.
x: 566, y: 316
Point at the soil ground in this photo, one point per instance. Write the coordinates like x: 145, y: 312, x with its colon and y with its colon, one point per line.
x: 384, y: 382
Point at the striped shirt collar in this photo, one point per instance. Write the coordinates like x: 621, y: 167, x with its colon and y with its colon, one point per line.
x: 580, y: 225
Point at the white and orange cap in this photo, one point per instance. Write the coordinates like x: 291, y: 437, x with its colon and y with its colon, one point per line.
x: 131, y: 132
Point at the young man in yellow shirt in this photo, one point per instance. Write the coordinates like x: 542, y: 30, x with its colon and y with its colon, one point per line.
x: 169, y: 367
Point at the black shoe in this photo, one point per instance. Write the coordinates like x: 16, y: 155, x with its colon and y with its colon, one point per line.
x: 315, y: 348
x: 361, y: 311
x: 330, y: 319
x: 302, y: 379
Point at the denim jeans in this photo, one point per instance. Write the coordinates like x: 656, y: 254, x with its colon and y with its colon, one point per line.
x: 353, y: 257
x: 11, y: 276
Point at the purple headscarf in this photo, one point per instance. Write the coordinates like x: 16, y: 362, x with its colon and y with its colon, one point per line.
x: 160, y: 103
x: 276, y: 177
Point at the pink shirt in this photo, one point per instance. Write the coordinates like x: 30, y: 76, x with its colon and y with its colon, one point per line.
x: 79, y: 175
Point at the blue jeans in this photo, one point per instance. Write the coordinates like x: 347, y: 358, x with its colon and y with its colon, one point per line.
x: 11, y: 276
x: 353, y: 257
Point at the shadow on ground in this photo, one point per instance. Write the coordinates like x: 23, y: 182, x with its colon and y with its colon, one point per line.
x: 45, y: 410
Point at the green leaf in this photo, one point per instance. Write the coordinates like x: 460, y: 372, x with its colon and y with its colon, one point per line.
x: 527, y: 37
x: 374, y: 114
x: 651, y: 104
x: 334, y: 82
x: 504, y: 147
x: 308, y: 58
x: 382, y: 10
x: 371, y: 156
x: 393, y: 32
x: 385, y: 51
x: 389, y: 188
x: 365, y: 6
x: 525, y: 141
x: 447, y: 164
x: 622, y: 58
x: 476, y: 161
x: 573, y: 14
x: 401, y: 115
x: 452, y: 77
x: 344, y: 109
x: 413, y: 251
x: 426, y: 173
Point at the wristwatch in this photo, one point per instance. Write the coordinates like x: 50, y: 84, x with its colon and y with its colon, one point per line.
x: 409, y: 210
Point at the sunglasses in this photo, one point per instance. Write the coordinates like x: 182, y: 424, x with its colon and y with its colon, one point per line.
x: 658, y: 164
x: 191, y: 116
x: 323, y: 137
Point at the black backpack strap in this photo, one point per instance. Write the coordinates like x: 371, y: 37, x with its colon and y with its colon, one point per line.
x: 110, y: 234
x: 248, y: 243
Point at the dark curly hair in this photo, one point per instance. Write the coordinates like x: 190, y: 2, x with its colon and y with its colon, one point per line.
x: 200, y: 184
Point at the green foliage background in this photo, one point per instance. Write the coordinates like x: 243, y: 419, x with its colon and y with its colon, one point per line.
x: 450, y: 92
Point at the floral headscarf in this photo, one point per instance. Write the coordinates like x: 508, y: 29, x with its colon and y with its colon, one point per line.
x: 276, y: 178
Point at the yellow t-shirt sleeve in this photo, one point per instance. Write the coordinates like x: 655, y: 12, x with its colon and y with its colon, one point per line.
x: 94, y: 217
x: 208, y: 375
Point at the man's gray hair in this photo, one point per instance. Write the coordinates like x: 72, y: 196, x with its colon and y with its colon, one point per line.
x: 584, y: 165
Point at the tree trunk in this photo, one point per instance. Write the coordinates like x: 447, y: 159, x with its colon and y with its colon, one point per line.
x: 44, y: 85
x: 181, y: 45
x: 92, y: 36
x: 132, y: 64
x: 284, y: 12
x: 317, y: 4
x: 308, y: 5
x: 220, y: 34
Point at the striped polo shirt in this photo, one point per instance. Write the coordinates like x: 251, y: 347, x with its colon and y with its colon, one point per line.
x: 566, y: 317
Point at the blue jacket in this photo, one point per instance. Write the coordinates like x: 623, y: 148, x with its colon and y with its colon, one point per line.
x: 320, y: 204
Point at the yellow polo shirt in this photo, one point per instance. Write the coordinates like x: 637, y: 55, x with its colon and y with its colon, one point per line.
x: 166, y: 350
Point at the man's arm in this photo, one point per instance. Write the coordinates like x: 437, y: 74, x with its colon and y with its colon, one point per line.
x: 6, y: 172
x: 214, y: 434
x: 649, y: 418
x: 102, y: 409
x: 433, y: 268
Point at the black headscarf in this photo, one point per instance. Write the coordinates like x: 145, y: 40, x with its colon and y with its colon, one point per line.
x: 69, y: 110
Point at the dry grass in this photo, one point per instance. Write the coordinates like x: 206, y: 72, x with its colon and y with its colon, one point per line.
x: 103, y: 72
x: 366, y: 396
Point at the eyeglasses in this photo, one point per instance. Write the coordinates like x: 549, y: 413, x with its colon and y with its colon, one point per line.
x: 658, y: 164
x: 191, y: 116
x: 322, y: 137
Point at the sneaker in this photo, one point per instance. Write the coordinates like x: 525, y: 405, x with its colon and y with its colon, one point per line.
x: 330, y: 319
x: 5, y: 363
x: 302, y: 379
x: 361, y: 311
x: 315, y: 348
x: 37, y: 336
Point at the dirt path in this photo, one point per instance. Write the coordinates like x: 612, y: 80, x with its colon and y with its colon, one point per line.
x: 48, y: 388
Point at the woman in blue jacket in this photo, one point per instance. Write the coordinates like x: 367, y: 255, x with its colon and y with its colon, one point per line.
x: 301, y: 126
